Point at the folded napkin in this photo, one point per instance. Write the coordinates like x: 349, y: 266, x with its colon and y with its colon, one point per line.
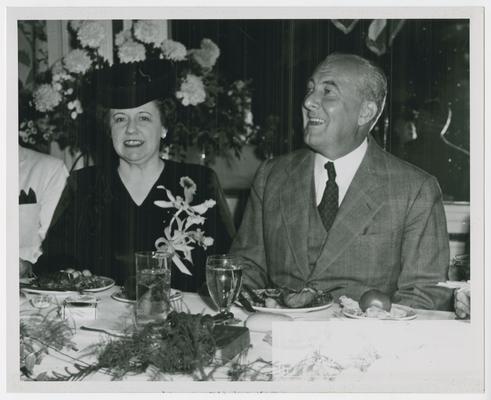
x: 27, y: 198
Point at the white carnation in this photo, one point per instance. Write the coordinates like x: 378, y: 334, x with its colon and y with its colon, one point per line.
x: 208, y: 241
x: 173, y: 50
x: 149, y: 32
x: 77, y: 61
x: 91, y: 34
x: 207, y: 55
x: 131, y: 51
x: 59, y: 73
x: 122, y: 37
x: 76, y: 24
x: 46, y: 98
x: 192, y: 91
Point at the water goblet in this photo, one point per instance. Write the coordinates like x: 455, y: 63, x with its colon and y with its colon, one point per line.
x: 224, y: 280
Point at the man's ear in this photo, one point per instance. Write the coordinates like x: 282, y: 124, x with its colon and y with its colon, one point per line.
x: 368, y: 112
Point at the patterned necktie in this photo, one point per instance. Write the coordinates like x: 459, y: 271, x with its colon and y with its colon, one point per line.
x: 328, y: 206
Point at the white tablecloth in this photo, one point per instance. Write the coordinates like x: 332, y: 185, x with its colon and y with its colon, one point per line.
x: 113, y: 315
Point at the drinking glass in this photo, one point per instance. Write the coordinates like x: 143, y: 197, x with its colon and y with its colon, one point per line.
x: 224, y: 280
x: 153, y: 272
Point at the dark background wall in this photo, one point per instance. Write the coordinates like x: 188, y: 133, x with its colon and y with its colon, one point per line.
x: 427, y: 67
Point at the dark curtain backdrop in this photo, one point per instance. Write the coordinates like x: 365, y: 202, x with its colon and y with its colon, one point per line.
x: 427, y: 67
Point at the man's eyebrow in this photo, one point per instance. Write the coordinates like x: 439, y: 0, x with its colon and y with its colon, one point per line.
x: 330, y: 82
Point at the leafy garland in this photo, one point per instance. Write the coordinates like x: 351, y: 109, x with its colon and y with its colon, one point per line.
x: 183, y: 343
x: 206, y: 111
x: 39, y: 333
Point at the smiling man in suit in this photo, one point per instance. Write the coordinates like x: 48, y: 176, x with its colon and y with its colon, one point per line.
x: 344, y: 214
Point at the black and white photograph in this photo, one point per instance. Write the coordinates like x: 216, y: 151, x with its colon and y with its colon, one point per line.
x: 234, y: 200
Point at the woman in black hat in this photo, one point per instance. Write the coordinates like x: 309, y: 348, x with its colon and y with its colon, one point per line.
x: 107, y: 212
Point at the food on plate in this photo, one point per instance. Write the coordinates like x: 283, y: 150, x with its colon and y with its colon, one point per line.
x: 353, y: 309
x: 76, y: 274
x: 68, y: 280
x: 376, y: 312
x: 286, y: 298
x: 269, y: 302
x: 299, y: 299
x: 375, y: 298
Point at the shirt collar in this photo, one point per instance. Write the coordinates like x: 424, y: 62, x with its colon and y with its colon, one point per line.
x: 347, y: 163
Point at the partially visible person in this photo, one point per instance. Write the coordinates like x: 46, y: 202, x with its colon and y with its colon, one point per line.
x: 428, y: 151
x: 108, y: 211
x: 343, y: 214
x: 404, y: 131
x: 41, y: 182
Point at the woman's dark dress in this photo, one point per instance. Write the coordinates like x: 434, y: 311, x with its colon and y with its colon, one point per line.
x: 98, y: 226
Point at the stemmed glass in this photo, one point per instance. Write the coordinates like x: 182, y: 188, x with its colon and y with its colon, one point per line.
x: 224, y: 280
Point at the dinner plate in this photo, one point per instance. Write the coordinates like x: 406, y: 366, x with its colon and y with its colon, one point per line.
x: 120, y: 296
x: 285, y: 310
x: 107, y: 284
x: 48, y: 291
x: 410, y: 314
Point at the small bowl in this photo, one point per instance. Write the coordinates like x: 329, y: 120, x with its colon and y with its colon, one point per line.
x: 42, y: 301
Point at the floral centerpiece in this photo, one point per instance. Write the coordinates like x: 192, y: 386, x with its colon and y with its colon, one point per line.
x: 181, y: 235
x: 206, y: 111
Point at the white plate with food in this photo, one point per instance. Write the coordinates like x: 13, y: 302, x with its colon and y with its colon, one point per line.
x: 397, y: 313
x: 68, y: 281
x: 376, y: 305
x: 121, y: 296
x: 286, y: 301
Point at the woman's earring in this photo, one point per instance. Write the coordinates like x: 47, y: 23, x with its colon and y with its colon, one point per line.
x: 164, y: 133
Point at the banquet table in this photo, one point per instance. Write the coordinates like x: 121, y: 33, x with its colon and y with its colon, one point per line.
x: 113, y: 316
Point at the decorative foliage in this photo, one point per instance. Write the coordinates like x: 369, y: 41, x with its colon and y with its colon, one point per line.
x: 182, y: 344
x: 257, y: 370
x: 206, y: 110
x: 178, y: 235
x: 39, y: 333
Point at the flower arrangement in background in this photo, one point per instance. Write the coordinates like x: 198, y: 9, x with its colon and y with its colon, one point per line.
x: 206, y: 111
x: 181, y: 235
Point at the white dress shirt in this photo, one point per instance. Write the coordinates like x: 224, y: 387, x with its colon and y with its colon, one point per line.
x: 46, y: 177
x: 345, y: 167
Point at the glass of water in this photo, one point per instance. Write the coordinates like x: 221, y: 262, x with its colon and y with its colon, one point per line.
x: 153, y: 272
x: 224, y: 279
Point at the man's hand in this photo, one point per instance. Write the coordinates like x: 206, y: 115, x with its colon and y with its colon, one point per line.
x: 462, y: 303
x: 25, y: 268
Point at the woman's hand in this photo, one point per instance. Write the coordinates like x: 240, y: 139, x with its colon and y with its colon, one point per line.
x: 462, y: 303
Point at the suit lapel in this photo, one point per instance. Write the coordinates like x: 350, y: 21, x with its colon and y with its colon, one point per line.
x: 294, y: 205
x: 362, y: 201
